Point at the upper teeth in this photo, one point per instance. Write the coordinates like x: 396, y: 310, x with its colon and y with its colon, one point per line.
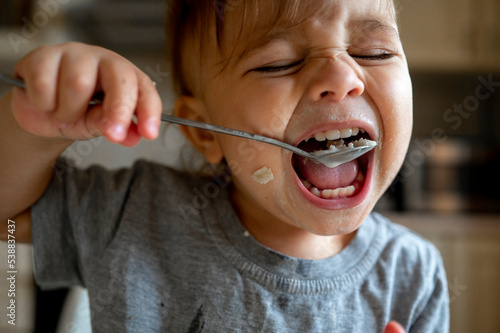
x: 337, y: 134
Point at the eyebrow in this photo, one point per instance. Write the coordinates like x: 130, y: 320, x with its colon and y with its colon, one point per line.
x: 260, y: 43
x: 373, y: 25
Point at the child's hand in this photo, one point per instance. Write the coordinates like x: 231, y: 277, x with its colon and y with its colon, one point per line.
x: 60, y: 82
x: 394, y: 327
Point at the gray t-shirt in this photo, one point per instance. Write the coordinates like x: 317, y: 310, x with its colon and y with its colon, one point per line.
x: 163, y: 251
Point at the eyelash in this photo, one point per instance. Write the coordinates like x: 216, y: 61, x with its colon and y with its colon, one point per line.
x: 382, y: 56
x: 275, y: 69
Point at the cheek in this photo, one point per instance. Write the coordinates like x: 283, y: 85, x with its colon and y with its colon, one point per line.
x: 267, y: 114
x: 401, y: 114
x: 254, y: 106
x: 396, y: 113
x: 264, y: 111
x: 242, y: 155
x: 246, y: 158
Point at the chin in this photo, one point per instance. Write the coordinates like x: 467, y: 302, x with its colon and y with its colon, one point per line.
x: 337, y: 222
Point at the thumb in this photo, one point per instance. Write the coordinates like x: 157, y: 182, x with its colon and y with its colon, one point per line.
x: 394, y: 327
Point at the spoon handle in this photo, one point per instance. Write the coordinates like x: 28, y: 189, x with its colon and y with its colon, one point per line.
x: 12, y: 81
x: 230, y: 131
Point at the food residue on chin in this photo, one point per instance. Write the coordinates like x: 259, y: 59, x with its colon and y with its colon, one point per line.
x: 263, y: 176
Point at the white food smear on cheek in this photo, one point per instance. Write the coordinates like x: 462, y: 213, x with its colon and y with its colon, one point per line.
x: 263, y: 176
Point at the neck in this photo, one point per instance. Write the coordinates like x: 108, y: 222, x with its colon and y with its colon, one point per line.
x: 286, y: 238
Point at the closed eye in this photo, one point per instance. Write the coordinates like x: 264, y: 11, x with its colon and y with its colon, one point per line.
x: 382, y: 56
x: 277, y: 69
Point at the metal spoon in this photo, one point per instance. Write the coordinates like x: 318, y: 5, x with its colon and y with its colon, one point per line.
x: 328, y: 158
x: 331, y: 159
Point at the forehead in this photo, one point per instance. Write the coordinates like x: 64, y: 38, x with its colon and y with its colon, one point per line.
x: 251, y: 22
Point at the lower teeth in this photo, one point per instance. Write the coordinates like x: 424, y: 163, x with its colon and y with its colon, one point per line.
x: 338, y: 193
x: 341, y: 192
x: 330, y: 194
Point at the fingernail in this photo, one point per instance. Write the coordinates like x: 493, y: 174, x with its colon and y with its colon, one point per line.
x: 64, y: 125
x: 118, y: 131
x: 152, y: 126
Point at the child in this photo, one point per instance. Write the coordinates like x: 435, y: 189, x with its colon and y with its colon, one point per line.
x: 274, y: 243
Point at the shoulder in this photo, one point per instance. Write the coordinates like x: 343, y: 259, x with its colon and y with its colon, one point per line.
x: 406, y: 259
x: 156, y: 179
x: 158, y: 190
x: 409, y: 265
x: 404, y: 245
x: 145, y: 183
x: 197, y: 188
x: 411, y: 269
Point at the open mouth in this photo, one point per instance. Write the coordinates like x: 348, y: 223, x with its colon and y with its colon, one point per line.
x: 344, y: 181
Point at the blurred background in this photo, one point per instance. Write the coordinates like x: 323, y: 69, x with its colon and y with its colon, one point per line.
x: 447, y: 189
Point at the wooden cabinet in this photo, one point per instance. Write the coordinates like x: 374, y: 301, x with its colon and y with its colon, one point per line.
x: 12, y: 12
x: 451, y: 34
x: 486, y: 33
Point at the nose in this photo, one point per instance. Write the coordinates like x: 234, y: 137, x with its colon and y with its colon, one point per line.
x: 335, y: 80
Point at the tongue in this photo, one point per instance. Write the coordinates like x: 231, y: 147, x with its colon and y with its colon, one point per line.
x: 325, y: 178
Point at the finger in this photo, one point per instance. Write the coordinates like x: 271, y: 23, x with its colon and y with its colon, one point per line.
x: 40, y: 70
x: 96, y: 125
x: 29, y: 117
x: 133, y: 136
x: 77, y: 83
x: 119, y: 83
x: 149, y: 108
x: 394, y: 327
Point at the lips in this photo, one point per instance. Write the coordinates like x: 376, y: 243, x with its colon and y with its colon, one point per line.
x: 332, y: 184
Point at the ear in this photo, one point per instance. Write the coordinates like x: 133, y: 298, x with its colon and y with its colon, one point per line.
x: 204, y: 141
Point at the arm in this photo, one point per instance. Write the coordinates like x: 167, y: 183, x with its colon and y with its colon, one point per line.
x: 25, y: 170
x: 36, y: 125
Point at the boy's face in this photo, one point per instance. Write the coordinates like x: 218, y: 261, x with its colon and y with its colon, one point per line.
x: 340, y: 69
